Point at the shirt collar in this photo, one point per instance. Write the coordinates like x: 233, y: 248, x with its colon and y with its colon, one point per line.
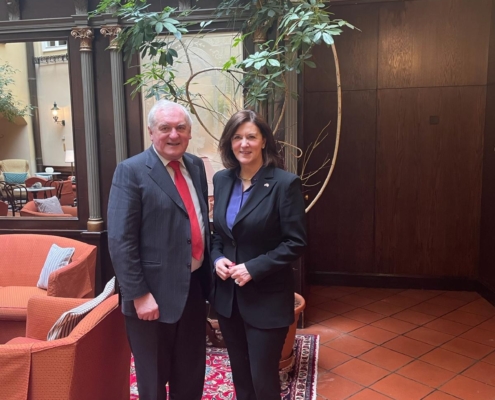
x: 164, y: 160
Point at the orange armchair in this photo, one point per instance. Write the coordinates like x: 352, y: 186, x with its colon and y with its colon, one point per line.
x: 92, y: 363
x: 63, y: 190
x: 31, y: 181
x: 21, y: 262
x: 30, y: 210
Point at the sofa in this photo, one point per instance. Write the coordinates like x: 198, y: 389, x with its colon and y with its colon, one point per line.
x: 21, y: 261
x: 30, y: 210
x: 91, y: 363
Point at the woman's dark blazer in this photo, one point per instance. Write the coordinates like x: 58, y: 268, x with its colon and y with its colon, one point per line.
x: 268, y: 234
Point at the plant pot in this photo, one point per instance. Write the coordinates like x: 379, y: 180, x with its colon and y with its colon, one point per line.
x: 287, y: 358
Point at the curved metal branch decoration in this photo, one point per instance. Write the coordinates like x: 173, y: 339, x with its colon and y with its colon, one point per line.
x: 339, y: 117
x: 337, y: 134
x: 191, y: 103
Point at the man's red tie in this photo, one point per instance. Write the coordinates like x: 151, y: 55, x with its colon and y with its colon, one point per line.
x: 185, y: 194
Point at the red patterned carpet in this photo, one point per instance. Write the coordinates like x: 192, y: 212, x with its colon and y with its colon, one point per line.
x: 301, y: 383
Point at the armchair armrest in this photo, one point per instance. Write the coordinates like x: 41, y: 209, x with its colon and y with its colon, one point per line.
x: 16, y: 363
x: 75, y: 279
x: 43, y: 311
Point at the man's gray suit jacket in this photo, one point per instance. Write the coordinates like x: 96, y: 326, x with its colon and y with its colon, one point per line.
x: 149, y: 234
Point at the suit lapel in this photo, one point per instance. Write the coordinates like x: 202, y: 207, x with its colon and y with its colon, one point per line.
x: 162, y: 178
x: 223, y: 191
x: 263, y: 188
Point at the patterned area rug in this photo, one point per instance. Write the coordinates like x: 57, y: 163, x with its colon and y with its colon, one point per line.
x: 300, y: 383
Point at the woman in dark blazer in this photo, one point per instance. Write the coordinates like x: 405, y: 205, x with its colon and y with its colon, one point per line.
x: 259, y: 229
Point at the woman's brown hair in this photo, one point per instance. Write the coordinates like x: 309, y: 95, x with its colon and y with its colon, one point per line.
x: 271, y: 157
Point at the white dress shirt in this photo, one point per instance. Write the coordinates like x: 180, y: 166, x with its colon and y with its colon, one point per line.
x: 195, y: 264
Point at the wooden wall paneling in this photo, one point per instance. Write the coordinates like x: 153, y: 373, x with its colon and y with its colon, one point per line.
x: 105, y: 122
x: 340, y: 226
x: 491, y: 51
x: 321, y: 225
x: 92, y: 4
x: 104, y: 268
x: 4, y: 15
x: 36, y: 9
x: 433, y: 43
x: 487, y: 226
x: 134, y: 111
x: 159, y: 5
x: 356, y: 51
x: 107, y: 271
x: 428, y: 181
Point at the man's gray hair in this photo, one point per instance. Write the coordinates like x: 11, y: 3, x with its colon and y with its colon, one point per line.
x: 167, y: 105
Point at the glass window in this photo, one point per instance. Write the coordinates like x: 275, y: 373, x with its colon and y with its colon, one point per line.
x: 216, y: 94
x: 54, y: 45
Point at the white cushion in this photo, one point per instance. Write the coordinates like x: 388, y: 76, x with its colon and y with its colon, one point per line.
x: 49, y: 206
x: 69, y: 319
x: 57, y: 257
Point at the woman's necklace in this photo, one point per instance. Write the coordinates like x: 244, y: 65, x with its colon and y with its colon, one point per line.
x: 249, y: 179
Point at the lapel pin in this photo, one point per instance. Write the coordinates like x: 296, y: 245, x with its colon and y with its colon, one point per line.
x: 267, y: 184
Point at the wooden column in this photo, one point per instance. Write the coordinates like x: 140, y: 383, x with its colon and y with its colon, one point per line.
x: 85, y: 34
x: 117, y: 92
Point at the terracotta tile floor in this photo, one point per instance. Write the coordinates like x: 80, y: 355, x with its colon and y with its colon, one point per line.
x: 383, y: 344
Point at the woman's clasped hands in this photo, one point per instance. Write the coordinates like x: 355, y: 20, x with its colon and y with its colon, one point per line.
x: 227, y: 269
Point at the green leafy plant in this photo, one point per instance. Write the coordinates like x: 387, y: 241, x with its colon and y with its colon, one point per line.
x: 284, y: 34
x: 295, y: 31
x: 299, y: 29
x: 9, y: 106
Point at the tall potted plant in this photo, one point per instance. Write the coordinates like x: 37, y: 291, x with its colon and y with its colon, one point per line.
x: 10, y: 108
x: 283, y: 34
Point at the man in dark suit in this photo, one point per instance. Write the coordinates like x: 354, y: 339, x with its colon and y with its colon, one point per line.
x: 157, y: 215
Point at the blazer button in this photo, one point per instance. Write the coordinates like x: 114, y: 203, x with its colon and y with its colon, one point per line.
x: 188, y: 241
x: 189, y: 265
x: 234, y: 243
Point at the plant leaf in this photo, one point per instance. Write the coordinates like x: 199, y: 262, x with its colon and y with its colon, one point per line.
x: 327, y: 38
x: 170, y: 27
